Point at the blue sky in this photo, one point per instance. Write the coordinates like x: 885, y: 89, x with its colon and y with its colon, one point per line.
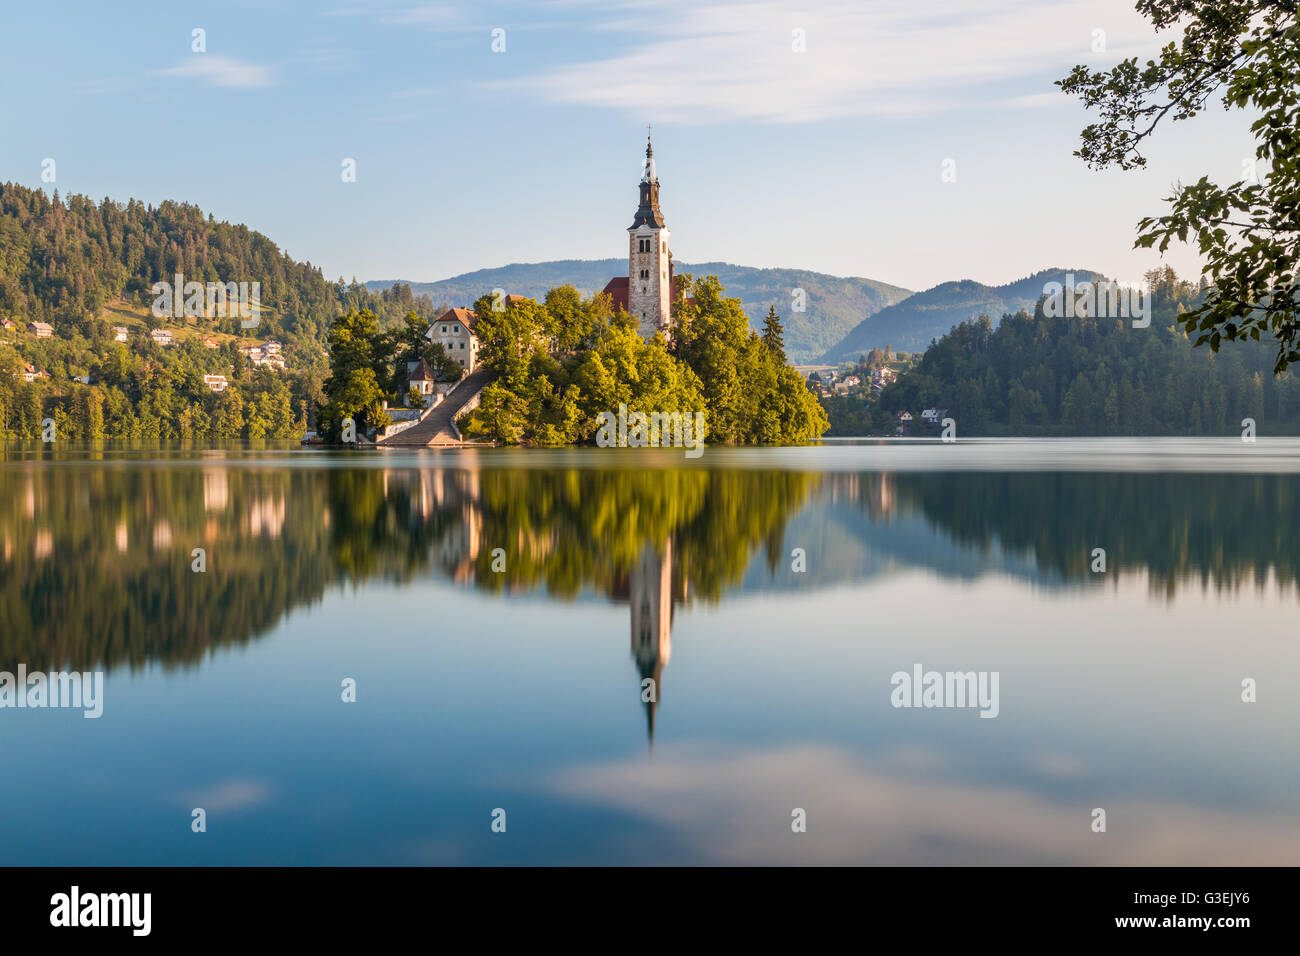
x: 826, y: 159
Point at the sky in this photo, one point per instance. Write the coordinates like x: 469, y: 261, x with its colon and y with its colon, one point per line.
x: 830, y: 157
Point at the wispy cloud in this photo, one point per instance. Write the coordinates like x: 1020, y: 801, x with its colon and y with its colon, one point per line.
x: 736, y: 811
x: 692, y: 63
x: 426, y: 14
x: 223, y: 71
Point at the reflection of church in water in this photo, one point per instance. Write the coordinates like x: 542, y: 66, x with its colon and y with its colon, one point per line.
x: 649, y: 593
x: 453, y: 498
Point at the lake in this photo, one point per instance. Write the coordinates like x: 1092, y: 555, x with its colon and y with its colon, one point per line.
x: 503, y: 618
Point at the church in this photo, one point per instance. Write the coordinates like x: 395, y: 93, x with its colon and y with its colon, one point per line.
x: 647, y: 291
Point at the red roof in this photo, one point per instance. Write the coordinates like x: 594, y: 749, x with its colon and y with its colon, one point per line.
x: 463, y: 316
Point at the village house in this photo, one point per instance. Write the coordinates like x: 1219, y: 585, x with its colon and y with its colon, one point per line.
x: 454, y: 331
x: 42, y: 330
x: 215, y: 383
x: 258, y: 356
x: 162, y: 337
x: 8, y: 325
x: 902, y: 422
x: 270, y: 360
x: 210, y: 343
x: 883, y: 376
x: 119, y: 333
x: 83, y: 379
x: 30, y: 373
x: 934, y: 416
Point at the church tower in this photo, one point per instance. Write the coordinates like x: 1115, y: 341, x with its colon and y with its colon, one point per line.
x: 650, y: 263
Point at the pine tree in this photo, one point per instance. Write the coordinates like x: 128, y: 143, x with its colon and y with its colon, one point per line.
x: 773, y: 333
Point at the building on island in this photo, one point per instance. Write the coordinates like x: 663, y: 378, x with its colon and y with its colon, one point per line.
x: 650, y: 287
x: 421, y: 378
x: 454, y: 331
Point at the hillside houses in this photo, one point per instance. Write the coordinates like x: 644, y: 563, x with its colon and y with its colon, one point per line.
x: 119, y: 333
x: 267, y: 354
x: 215, y: 383
x: 161, y: 337
x: 30, y: 373
x: 42, y: 330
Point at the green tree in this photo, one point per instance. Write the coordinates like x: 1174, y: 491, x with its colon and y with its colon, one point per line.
x: 773, y: 334
x: 1247, y: 54
x: 352, y: 389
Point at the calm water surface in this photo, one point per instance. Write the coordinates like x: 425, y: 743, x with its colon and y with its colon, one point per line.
x: 521, y: 689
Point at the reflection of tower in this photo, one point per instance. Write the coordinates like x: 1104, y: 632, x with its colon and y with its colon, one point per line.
x: 650, y: 592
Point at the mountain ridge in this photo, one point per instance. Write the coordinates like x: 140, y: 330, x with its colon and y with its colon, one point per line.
x: 911, y: 324
x: 834, y: 304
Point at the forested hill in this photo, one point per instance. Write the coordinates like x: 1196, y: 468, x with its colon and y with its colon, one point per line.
x: 1036, y: 376
x: 834, y: 304
x: 912, y: 324
x: 84, y: 267
x: 62, y: 262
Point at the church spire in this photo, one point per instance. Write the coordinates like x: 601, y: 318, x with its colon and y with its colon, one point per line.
x: 648, y: 176
x: 648, y: 212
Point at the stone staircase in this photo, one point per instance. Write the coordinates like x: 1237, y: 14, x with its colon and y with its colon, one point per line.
x: 436, y: 427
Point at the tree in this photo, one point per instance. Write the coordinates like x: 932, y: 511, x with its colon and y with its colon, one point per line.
x: 352, y: 390
x: 773, y: 334
x: 1247, y: 53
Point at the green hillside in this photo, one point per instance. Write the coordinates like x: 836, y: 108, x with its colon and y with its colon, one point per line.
x: 1038, y: 376
x: 834, y: 304
x: 84, y: 267
x: 910, y: 325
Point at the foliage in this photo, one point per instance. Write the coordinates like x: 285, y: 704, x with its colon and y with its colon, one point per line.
x: 559, y: 364
x: 1040, y: 376
x: 1247, y: 53
x: 84, y: 266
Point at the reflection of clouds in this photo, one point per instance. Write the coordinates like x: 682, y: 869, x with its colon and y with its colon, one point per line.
x: 737, y: 811
x: 229, y: 796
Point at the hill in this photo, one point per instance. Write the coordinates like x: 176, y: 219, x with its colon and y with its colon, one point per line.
x: 84, y: 267
x: 1037, y: 376
x: 910, y: 325
x: 834, y: 304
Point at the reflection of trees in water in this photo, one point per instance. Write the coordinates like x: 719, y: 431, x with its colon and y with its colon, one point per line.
x: 95, y: 559
x: 95, y: 562
x: 1220, y: 530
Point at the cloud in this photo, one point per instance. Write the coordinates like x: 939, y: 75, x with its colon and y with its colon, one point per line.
x: 224, y: 71
x: 228, y: 796
x: 896, y: 809
x: 427, y: 14
x: 721, y: 62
